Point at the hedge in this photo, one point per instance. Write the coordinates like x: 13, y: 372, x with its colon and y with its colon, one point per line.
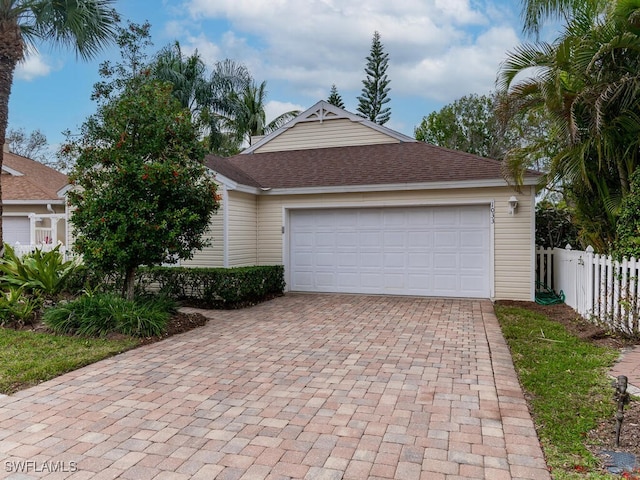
x: 202, y: 287
x: 215, y: 287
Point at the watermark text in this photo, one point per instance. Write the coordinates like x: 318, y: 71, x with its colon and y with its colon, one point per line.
x: 46, y: 466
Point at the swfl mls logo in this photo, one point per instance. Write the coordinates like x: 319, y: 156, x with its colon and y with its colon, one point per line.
x: 30, y: 466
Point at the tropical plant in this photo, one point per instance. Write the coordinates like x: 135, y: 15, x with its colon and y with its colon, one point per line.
x: 375, y: 90
x: 587, y: 81
x: 37, y: 272
x: 144, y: 196
x: 335, y: 98
x: 86, y: 25
x: 248, y: 116
x: 17, y: 308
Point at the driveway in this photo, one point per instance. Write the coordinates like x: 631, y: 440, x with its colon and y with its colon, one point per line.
x: 304, y: 386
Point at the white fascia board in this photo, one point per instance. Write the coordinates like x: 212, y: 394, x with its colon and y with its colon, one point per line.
x: 232, y: 185
x: 63, y: 191
x: 33, y: 202
x: 388, y: 187
x: 12, y: 171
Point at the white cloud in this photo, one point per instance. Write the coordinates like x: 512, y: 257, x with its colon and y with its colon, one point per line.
x: 274, y: 108
x: 438, y: 49
x: 32, y: 67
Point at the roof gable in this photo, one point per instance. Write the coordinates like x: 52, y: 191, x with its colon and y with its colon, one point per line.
x: 26, y: 180
x: 322, y: 113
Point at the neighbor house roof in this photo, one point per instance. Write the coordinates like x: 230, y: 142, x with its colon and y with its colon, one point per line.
x: 383, y: 164
x: 25, y: 180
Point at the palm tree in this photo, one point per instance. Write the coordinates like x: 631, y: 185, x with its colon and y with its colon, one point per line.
x: 249, y: 118
x: 187, y: 74
x: 85, y: 25
x: 588, y: 81
x: 536, y: 12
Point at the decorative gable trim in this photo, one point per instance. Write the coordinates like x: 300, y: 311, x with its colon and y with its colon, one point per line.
x: 320, y: 112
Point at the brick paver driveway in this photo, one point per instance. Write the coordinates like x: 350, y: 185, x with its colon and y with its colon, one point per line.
x: 304, y: 386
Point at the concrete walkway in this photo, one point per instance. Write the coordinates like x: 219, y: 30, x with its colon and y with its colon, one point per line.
x: 629, y: 365
x: 304, y: 386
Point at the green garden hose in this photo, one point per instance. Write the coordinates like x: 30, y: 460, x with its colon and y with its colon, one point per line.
x: 546, y: 296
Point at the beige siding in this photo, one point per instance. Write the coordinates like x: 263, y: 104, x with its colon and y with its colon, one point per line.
x: 212, y: 255
x: 242, y: 222
x: 330, y: 133
x: 513, y: 242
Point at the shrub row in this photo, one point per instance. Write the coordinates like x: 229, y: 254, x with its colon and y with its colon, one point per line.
x: 215, y: 287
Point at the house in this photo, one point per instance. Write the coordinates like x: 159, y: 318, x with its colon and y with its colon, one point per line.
x: 347, y: 205
x: 33, y: 205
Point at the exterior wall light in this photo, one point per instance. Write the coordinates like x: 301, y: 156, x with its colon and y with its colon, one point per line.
x: 513, y: 204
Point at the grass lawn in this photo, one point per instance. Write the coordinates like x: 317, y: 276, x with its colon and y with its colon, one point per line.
x: 566, y: 382
x: 29, y: 358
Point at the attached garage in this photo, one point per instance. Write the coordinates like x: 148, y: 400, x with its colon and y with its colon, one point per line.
x: 432, y: 251
x: 349, y: 206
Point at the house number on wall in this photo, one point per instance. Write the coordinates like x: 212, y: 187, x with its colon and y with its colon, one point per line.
x: 493, y: 213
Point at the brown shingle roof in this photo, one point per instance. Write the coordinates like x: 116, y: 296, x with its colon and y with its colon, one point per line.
x: 398, y: 163
x: 37, y: 182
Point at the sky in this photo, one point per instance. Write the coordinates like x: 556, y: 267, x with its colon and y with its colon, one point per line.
x: 439, y: 51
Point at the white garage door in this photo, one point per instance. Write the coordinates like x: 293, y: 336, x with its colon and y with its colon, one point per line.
x: 428, y: 251
x: 16, y: 229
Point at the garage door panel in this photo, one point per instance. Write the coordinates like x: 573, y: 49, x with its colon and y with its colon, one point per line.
x: 441, y: 251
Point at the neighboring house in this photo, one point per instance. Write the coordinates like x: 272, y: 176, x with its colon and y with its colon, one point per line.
x: 33, y: 207
x: 347, y: 205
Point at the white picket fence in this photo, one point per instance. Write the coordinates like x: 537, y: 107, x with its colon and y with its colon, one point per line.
x: 596, y: 286
x: 22, y: 250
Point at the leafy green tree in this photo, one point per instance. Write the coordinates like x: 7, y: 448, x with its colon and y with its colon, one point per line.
x: 142, y: 196
x: 134, y: 41
x: 468, y: 124
x: 473, y: 124
x: 335, y: 98
x: 554, y: 225
x: 628, y: 226
x: 85, y: 25
x: 375, y: 90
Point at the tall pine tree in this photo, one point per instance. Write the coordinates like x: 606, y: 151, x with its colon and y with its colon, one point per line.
x: 375, y: 87
x: 335, y: 98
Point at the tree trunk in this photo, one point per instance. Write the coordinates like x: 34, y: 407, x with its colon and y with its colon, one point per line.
x: 11, y: 51
x: 129, y: 283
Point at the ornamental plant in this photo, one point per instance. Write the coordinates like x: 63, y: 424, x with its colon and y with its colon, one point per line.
x: 142, y: 195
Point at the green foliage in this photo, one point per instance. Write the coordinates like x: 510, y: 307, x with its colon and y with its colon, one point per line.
x: 628, y: 227
x: 216, y: 287
x: 16, y: 308
x: 566, y: 380
x: 101, y: 314
x: 586, y: 82
x: 554, y: 227
x: 375, y: 90
x: 143, y: 195
x: 474, y: 125
x: 335, y: 98
x: 38, y: 272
